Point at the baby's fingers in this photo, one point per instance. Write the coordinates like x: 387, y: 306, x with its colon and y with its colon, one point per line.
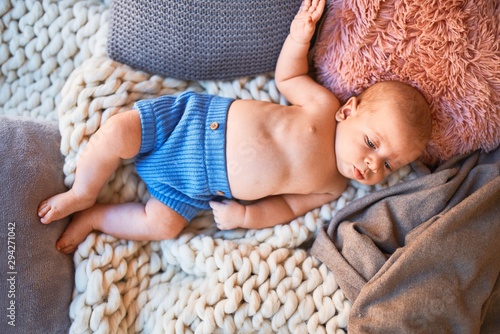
x: 213, y: 204
x: 314, y: 9
x: 305, y: 5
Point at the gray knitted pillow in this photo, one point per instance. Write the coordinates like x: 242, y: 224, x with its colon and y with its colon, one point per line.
x: 200, y: 40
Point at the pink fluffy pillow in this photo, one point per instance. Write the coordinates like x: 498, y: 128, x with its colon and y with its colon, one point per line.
x: 448, y: 49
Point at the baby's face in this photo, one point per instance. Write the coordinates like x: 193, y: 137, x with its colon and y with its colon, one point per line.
x: 371, y: 145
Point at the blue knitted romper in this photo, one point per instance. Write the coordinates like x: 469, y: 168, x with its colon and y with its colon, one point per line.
x: 182, y: 158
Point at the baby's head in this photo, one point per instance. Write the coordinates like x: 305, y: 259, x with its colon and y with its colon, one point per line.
x: 381, y: 130
x: 407, y: 102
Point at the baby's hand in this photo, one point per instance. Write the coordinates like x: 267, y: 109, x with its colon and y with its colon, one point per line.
x: 228, y: 214
x: 304, y: 23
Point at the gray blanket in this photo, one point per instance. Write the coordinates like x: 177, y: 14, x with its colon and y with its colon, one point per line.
x: 424, y: 255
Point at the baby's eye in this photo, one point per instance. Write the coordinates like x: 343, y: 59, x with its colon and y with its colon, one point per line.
x: 388, y: 166
x: 370, y: 143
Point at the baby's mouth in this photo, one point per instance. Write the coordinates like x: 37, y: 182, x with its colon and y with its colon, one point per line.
x: 357, y: 174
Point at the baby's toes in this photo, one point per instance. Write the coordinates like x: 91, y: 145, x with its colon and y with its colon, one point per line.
x: 43, y: 209
x: 50, y: 214
x: 65, y: 246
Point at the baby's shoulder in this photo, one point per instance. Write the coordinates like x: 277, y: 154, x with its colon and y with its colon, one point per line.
x: 323, y: 101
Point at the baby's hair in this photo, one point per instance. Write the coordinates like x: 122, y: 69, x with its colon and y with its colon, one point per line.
x: 412, y: 105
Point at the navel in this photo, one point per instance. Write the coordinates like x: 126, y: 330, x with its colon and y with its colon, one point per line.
x: 312, y: 129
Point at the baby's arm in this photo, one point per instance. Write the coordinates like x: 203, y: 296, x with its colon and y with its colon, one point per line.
x: 292, y: 69
x: 266, y: 212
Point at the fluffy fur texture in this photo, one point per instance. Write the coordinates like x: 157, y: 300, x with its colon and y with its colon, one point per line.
x: 449, y: 49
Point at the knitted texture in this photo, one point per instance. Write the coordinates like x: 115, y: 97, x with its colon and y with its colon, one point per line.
x: 41, y: 43
x: 206, y: 280
x: 216, y: 39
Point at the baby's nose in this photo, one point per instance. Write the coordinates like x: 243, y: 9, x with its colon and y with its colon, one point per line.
x: 373, y: 164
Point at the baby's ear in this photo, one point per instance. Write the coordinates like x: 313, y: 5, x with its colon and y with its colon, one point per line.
x: 348, y: 109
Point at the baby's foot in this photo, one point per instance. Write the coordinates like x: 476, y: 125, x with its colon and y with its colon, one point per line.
x: 62, y: 205
x: 76, y: 232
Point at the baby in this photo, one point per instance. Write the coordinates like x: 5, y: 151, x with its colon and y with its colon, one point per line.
x: 198, y: 151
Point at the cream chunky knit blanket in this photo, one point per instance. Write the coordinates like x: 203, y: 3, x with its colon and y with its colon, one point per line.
x: 52, y: 57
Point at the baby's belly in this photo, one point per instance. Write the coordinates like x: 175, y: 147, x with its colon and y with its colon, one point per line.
x: 254, y: 180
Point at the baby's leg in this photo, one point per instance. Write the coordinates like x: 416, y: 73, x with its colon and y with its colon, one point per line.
x: 132, y: 221
x: 119, y: 138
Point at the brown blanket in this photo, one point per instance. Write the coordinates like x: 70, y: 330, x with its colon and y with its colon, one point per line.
x: 424, y: 255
